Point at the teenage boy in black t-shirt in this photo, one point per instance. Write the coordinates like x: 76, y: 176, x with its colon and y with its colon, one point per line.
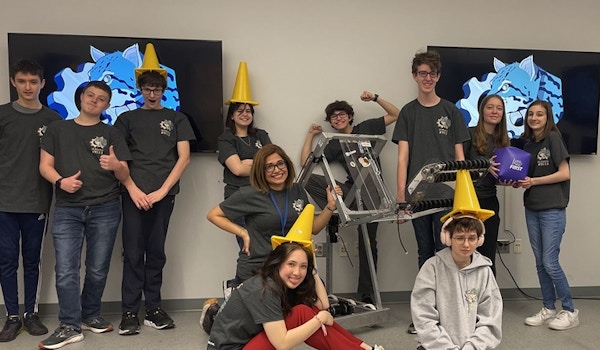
x: 85, y: 159
x: 159, y: 142
x: 340, y: 116
x: 26, y: 196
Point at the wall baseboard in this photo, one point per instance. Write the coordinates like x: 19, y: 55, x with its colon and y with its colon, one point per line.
x: 182, y: 305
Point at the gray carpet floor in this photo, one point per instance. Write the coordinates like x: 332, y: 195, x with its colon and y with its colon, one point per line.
x: 391, y: 335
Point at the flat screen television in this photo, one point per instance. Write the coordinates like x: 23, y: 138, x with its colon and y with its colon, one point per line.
x: 194, y: 68
x: 569, y: 80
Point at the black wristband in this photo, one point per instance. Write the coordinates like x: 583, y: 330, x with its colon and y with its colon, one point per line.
x: 375, y: 98
x: 57, y: 182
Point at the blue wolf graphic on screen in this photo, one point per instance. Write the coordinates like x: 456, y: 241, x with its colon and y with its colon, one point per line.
x: 117, y: 69
x: 519, y: 84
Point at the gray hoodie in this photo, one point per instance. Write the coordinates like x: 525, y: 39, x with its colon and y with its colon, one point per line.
x: 457, y: 309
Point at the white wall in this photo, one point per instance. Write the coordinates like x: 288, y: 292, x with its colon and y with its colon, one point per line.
x: 302, y: 55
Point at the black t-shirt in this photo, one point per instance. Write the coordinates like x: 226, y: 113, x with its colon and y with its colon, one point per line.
x: 152, y: 136
x: 242, y: 316
x: 333, y: 151
x: 76, y: 147
x: 485, y: 187
x: 245, y: 147
x: 22, y: 188
x: 546, y: 156
x: 262, y: 220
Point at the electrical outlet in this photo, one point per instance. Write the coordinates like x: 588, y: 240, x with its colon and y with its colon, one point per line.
x: 343, y: 251
x: 356, y: 248
x: 517, y: 246
x: 320, y: 249
x: 503, y: 246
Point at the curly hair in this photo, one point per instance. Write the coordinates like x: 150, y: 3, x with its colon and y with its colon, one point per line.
x: 431, y: 58
x: 305, y: 293
x: 339, y: 106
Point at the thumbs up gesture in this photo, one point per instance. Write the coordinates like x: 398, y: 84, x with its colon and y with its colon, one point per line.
x: 72, y: 183
x: 109, y: 161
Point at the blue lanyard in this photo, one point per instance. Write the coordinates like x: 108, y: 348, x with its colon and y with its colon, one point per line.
x: 282, y: 218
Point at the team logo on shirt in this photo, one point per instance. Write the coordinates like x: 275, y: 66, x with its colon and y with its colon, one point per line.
x: 42, y: 130
x: 166, y: 126
x: 98, y: 144
x: 443, y: 124
x: 298, y: 205
x: 258, y: 144
x: 543, y: 157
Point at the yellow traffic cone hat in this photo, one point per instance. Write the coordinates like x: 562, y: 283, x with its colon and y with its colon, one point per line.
x: 301, y: 231
x: 465, y: 199
x: 150, y: 63
x: 241, y: 89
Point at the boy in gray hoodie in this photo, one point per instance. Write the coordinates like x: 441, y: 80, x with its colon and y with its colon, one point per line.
x: 455, y: 302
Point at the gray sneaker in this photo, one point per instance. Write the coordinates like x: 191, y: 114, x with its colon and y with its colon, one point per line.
x: 62, y: 336
x: 96, y: 324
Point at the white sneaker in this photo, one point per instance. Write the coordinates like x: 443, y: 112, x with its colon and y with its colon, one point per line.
x: 543, y: 317
x: 565, y: 320
x: 378, y: 347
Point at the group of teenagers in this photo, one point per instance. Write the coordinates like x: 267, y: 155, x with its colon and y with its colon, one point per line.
x: 275, y: 303
x: 99, y: 174
x: 278, y: 299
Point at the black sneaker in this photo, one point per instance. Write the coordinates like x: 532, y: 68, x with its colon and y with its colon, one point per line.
x: 130, y: 324
x: 33, y: 325
x: 62, y: 336
x: 11, y: 329
x: 411, y: 329
x: 96, y: 324
x: 366, y: 298
x: 210, y: 309
x: 158, y: 319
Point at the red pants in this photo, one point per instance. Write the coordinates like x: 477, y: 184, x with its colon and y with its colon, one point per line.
x: 337, y: 337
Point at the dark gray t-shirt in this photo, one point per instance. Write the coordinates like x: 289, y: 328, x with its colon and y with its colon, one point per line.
x: 262, y: 220
x: 22, y: 187
x: 152, y: 137
x: 230, y: 144
x: 242, y: 316
x: 333, y: 150
x: 76, y: 147
x: 485, y: 187
x: 431, y: 133
x: 546, y: 156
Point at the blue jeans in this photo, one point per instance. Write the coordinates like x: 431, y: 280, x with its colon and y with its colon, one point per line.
x: 427, y: 232
x: 98, y: 225
x: 546, y: 229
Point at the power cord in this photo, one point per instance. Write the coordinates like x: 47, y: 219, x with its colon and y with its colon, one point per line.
x: 511, y: 241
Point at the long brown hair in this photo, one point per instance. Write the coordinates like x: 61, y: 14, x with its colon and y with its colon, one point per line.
x: 500, y: 135
x: 550, y: 125
x: 258, y: 180
x: 305, y: 293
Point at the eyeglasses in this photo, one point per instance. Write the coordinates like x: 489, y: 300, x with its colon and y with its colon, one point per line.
x: 461, y: 240
x: 281, y: 165
x: 423, y: 74
x: 147, y: 91
x: 339, y: 115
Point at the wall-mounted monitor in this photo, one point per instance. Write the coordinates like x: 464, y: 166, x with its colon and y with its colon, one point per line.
x: 569, y: 80
x: 194, y: 68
